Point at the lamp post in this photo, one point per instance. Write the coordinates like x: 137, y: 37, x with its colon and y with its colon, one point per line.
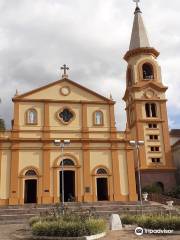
x: 136, y: 145
x: 62, y: 144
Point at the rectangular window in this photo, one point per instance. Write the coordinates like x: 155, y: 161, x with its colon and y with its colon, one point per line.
x: 155, y: 160
x: 154, y: 149
x: 152, y: 125
x: 153, y: 137
x: 156, y: 137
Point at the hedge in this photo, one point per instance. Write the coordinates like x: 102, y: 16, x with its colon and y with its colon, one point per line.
x: 66, y: 226
x: 154, y: 222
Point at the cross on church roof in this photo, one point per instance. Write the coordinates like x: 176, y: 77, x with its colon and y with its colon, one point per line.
x: 136, y: 1
x: 65, y: 68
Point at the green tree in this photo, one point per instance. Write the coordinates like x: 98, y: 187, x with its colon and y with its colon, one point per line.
x: 2, y: 125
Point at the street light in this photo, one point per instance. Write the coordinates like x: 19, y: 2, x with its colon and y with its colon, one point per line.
x: 62, y: 144
x: 136, y: 145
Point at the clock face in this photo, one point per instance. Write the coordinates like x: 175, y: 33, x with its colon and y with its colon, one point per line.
x: 65, y: 91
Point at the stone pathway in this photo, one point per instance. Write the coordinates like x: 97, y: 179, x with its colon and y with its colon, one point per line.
x: 7, y: 230
x: 127, y: 235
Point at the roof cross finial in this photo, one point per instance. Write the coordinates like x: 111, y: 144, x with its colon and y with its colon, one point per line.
x: 136, y: 1
x: 65, y: 68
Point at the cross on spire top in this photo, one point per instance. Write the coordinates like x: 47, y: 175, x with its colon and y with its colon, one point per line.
x: 64, y: 68
x: 136, y: 1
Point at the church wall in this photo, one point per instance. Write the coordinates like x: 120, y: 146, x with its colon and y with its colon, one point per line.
x: 66, y: 135
x: 30, y: 134
x: 30, y: 158
x: 100, y: 135
x: 100, y: 157
x: 123, y: 172
x: 100, y: 145
x: 5, y: 174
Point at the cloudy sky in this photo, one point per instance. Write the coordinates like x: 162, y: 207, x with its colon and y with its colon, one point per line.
x: 91, y: 37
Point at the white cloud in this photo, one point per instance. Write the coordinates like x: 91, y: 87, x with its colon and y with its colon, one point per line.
x: 91, y: 36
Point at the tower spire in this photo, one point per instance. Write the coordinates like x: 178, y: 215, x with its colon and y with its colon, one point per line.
x: 139, y: 38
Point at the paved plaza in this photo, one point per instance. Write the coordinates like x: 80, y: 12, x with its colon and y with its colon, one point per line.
x: 7, y: 231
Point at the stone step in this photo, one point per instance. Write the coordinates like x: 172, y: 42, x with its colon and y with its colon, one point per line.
x: 73, y: 208
x: 24, y: 212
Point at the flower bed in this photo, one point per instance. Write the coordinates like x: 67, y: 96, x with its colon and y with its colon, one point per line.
x: 153, y: 222
x: 67, y: 226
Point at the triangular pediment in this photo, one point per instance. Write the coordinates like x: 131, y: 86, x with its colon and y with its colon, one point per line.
x: 142, y: 86
x: 65, y: 90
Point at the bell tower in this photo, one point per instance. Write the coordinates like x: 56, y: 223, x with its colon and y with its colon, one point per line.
x: 146, y: 108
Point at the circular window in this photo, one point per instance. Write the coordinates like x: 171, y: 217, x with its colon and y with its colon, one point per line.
x: 65, y: 115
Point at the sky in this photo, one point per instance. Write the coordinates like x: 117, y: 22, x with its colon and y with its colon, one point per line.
x: 91, y: 37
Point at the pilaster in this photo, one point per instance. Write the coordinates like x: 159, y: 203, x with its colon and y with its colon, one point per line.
x: 46, y: 175
x: 87, y: 188
x: 84, y: 121
x: 14, y: 180
x: 115, y: 173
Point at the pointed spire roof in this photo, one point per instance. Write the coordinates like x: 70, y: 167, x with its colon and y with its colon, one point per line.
x: 139, y: 38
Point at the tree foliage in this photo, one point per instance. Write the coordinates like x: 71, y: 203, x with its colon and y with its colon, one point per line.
x: 2, y: 125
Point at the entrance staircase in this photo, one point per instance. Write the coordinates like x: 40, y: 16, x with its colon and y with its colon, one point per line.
x: 21, y: 213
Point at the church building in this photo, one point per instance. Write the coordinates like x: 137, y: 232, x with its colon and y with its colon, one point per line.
x: 99, y: 164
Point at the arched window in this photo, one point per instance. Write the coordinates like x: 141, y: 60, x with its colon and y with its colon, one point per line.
x: 101, y: 171
x: 67, y: 162
x: 151, y: 110
x: 98, y: 118
x: 30, y: 173
x: 31, y: 115
x: 148, y: 73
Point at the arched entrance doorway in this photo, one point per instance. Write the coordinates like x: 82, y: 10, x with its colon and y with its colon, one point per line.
x: 102, y: 184
x: 30, y: 187
x: 69, y: 181
x: 160, y: 186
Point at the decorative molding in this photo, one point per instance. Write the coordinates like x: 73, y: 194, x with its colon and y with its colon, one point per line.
x: 65, y: 90
x: 138, y: 51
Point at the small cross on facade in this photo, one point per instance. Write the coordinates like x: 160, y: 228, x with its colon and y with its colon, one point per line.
x: 136, y: 1
x: 64, y: 68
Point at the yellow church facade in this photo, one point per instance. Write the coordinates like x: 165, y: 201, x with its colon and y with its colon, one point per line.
x: 97, y: 150
x: 99, y: 163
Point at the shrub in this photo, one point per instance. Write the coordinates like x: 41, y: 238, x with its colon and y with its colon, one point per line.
x: 152, y: 189
x: 34, y: 220
x: 154, y: 222
x: 67, y: 226
x: 2, y: 125
x: 174, y: 193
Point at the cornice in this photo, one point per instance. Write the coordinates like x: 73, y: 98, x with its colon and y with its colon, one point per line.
x: 108, y: 102
x: 138, y: 51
